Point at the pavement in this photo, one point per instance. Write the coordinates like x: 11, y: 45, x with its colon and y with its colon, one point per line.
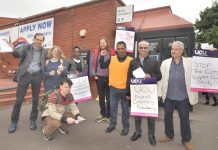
x: 7, y: 84
x: 90, y: 135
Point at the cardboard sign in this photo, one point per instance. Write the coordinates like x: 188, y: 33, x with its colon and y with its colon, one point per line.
x: 204, y: 76
x: 81, y: 89
x: 144, y: 99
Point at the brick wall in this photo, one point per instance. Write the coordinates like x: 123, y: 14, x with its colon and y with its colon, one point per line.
x: 97, y: 18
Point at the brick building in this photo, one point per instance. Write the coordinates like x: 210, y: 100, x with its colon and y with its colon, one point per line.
x: 98, y: 17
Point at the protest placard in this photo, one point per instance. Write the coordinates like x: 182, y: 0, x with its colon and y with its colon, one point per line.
x: 204, y: 76
x: 81, y: 89
x: 144, y: 100
x: 126, y: 35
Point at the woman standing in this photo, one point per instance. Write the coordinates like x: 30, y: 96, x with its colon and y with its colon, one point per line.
x: 55, y: 69
x: 77, y: 65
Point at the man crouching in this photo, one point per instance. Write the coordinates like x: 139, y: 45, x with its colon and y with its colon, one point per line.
x: 61, y: 111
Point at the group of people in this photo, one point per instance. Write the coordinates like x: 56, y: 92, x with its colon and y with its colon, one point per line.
x: 112, y: 72
x: 51, y: 67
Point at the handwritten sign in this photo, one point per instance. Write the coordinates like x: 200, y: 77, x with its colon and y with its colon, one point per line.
x: 126, y: 35
x: 204, y: 76
x: 144, y: 100
x: 81, y: 89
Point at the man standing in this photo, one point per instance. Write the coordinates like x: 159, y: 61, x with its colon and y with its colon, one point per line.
x: 174, y: 88
x: 31, y: 67
x: 118, y: 69
x: 61, y: 111
x: 151, y: 68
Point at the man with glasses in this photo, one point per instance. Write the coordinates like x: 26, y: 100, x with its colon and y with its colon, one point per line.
x: 151, y: 68
x: 31, y: 67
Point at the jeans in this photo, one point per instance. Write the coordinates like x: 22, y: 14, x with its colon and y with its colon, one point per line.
x: 22, y: 86
x: 103, y: 91
x: 115, y: 96
x: 183, y: 110
x: 151, y: 125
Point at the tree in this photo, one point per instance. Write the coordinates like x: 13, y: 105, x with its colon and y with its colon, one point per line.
x: 207, y: 26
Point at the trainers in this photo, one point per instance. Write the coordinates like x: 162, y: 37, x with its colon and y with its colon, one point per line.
x: 63, y: 130
x: 101, y: 118
x: 46, y: 137
x: 164, y: 139
x: 188, y: 145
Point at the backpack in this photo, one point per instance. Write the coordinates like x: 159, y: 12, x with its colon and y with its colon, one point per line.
x: 44, y: 99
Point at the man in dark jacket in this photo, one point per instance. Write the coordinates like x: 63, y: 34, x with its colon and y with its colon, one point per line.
x: 31, y: 68
x: 151, y: 68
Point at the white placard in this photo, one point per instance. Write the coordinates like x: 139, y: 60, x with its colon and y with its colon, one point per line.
x: 81, y: 89
x: 144, y: 100
x: 204, y: 76
x: 126, y: 36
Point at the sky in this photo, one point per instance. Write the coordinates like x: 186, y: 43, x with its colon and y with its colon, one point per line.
x: 187, y: 9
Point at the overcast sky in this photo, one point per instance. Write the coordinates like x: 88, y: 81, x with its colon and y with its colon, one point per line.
x: 187, y: 9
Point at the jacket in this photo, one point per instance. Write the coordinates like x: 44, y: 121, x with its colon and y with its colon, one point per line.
x: 150, y: 66
x: 25, y: 53
x: 94, y: 60
x: 163, y: 83
x: 57, y: 107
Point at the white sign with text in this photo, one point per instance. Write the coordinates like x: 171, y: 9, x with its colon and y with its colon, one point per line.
x: 81, y: 89
x: 144, y: 100
x: 204, y: 74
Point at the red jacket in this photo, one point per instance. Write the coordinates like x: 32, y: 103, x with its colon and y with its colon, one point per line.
x: 96, y: 52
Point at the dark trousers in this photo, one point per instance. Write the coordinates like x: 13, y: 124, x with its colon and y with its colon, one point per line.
x: 183, y: 110
x: 22, y: 86
x: 103, y: 91
x: 151, y: 125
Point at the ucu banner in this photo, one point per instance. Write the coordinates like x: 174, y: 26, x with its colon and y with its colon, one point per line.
x: 151, y: 80
x: 205, y: 53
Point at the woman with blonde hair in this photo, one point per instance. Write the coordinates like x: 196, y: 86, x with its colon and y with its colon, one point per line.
x: 55, y: 68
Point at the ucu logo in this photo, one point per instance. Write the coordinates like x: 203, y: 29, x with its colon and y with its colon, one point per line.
x: 201, y: 52
x: 136, y: 81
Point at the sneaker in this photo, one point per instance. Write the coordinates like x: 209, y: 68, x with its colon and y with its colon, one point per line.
x: 46, y: 137
x: 188, y: 145
x: 164, y: 139
x: 63, y: 130
x: 101, y: 118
